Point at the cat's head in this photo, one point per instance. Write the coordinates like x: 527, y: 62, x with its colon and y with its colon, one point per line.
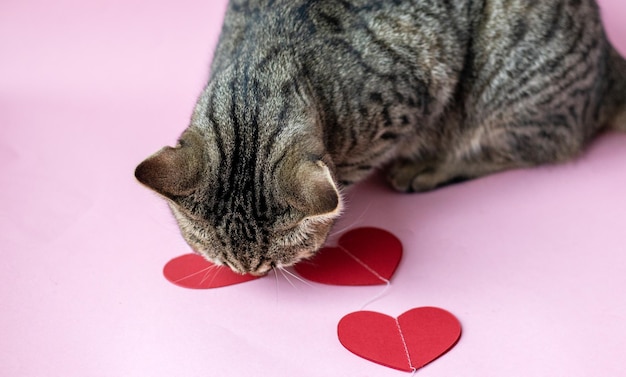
x: 249, y: 210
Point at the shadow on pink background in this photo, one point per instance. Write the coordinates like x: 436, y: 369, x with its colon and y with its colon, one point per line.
x: 532, y: 262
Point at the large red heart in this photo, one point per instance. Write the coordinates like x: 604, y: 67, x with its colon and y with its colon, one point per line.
x: 193, y: 271
x: 407, y: 343
x: 365, y: 256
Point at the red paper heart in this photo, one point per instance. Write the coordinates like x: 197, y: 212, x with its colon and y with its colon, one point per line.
x: 193, y: 271
x: 365, y: 256
x: 407, y: 343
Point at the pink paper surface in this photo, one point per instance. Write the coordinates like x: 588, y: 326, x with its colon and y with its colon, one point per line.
x: 532, y: 262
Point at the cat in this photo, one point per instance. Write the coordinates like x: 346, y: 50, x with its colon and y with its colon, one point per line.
x: 308, y: 97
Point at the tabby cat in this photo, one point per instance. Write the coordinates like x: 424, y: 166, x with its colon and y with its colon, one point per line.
x: 307, y: 97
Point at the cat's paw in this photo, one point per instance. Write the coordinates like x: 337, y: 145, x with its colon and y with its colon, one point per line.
x: 411, y: 176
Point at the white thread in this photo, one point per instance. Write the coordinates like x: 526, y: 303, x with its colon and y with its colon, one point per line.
x: 364, y: 265
x: 406, y: 348
x: 373, y: 272
x: 378, y: 296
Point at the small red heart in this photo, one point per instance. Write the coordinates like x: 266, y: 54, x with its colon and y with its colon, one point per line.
x: 193, y: 271
x: 365, y: 256
x: 407, y: 343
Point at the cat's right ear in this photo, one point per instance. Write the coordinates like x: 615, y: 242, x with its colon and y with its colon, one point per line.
x: 174, y: 171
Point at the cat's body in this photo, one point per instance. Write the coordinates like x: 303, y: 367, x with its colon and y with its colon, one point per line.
x: 306, y: 97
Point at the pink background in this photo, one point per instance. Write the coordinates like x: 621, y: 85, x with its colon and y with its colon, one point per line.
x: 533, y: 262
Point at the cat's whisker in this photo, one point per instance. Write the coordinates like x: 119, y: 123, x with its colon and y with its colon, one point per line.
x: 207, y: 272
x: 276, y: 280
x: 296, y: 276
x: 282, y: 272
x: 215, y: 275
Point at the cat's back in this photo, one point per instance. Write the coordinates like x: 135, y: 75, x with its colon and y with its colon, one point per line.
x: 407, y: 53
x: 254, y: 26
x: 401, y: 64
x: 531, y: 54
x: 480, y: 36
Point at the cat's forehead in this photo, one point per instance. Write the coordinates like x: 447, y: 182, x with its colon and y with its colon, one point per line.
x: 223, y: 207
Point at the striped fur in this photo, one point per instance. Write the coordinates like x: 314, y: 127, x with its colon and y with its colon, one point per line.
x: 307, y: 97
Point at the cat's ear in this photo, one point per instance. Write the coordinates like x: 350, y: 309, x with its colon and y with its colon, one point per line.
x: 174, y: 171
x: 314, y: 192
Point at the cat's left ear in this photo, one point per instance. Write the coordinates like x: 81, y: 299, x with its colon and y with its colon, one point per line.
x: 315, y: 193
x: 174, y: 171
